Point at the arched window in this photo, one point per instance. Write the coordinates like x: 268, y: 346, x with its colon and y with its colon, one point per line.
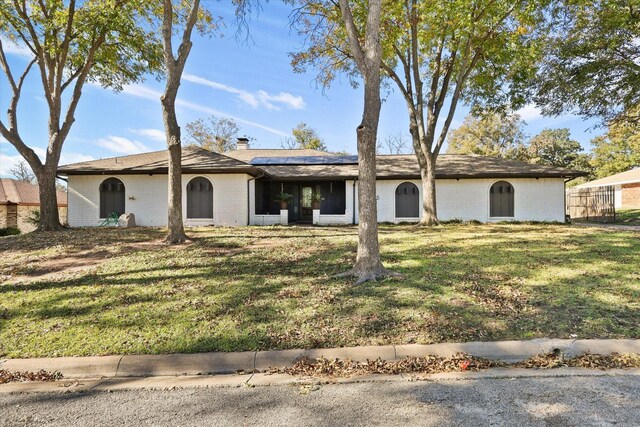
x: 111, y: 197
x: 407, y: 201
x: 501, y: 199
x: 199, y: 198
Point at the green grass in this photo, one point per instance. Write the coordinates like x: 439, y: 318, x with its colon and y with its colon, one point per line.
x: 628, y: 216
x: 271, y: 288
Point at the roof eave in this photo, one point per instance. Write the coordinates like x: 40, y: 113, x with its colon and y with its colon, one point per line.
x: 161, y: 171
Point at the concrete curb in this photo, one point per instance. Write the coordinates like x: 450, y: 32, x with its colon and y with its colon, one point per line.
x: 252, y: 361
x: 267, y: 380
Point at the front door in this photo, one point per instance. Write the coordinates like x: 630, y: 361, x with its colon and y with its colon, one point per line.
x: 306, y: 203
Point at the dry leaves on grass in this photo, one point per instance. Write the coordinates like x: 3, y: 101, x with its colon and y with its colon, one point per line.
x: 23, y: 376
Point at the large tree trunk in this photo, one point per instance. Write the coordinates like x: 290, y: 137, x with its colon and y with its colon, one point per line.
x: 428, y: 175
x: 49, y: 217
x: 174, y: 67
x: 176, y: 232
x: 422, y: 143
x: 368, y: 265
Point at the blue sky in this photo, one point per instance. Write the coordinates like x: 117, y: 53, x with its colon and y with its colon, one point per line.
x: 251, y: 82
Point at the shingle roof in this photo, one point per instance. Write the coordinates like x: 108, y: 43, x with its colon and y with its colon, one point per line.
x: 247, y: 155
x: 406, y: 167
x: 24, y: 193
x: 193, y: 160
x: 628, y: 177
x: 389, y: 166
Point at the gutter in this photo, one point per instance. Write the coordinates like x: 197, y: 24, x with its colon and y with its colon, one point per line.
x: 262, y: 175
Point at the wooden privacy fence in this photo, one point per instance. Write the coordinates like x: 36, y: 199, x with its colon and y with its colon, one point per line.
x: 596, y: 204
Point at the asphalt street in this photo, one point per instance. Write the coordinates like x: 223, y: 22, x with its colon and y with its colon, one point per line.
x: 544, y: 401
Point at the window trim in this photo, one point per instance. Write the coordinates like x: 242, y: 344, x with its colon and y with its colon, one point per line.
x: 185, y: 200
x: 100, y: 217
x: 395, y: 210
x: 500, y: 218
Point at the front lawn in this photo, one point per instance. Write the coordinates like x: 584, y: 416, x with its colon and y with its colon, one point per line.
x: 628, y: 216
x: 111, y: 291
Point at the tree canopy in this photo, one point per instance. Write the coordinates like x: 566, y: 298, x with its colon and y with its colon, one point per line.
x: 491, y: 134
x: 618, y: 150
x: 304, y: 136
x: 214, y: 134
x: 437, y: 54
x: 591, y: 59
x: 500, y: 135
x: 70, y: 43
x: 555, y: 147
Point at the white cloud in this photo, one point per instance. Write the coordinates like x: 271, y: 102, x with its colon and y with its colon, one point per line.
x: 7, y: 162
x: 261, y: 98
x: 207, y: 110
x: 245, y: 96
x: 148, y: 93
x: 141, y: 91
x: 529, y: 113
x: 293, y: 101
x: 152, y: 134
x: 122, y: 145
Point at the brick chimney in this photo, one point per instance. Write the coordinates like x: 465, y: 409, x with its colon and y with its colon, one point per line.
x: 243, y: 143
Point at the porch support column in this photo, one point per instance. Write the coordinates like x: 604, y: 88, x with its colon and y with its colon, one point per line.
x: 316, y: 216
x: 284, y: 216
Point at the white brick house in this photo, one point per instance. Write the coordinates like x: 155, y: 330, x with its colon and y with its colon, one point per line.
x: 241, y: 187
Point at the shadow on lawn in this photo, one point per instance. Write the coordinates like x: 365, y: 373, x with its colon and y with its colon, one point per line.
x: 284, y: 297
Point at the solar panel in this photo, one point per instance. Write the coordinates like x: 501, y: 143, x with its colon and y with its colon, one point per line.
x: 314, y: 160
x: 260, y: 160
x: 305, y: 160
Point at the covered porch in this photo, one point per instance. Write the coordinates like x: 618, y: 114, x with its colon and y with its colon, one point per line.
x: 311, y: 202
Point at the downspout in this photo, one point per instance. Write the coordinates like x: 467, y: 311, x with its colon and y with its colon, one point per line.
x: 249, y: 197
x: 353, y: 220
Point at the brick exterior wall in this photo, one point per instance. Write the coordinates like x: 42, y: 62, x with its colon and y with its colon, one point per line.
x: 630, y: 196
x: 3, y: 216
x: 146, y: 197
x: 25, y: 212
x: 468, y: 199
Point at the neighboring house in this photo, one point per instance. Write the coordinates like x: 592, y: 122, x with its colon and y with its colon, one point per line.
x: 18, y: 201
x: 626, y: 187
x: 241, y: 187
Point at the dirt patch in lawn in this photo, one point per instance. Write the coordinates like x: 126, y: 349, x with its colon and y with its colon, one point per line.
x: 54, y: 268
